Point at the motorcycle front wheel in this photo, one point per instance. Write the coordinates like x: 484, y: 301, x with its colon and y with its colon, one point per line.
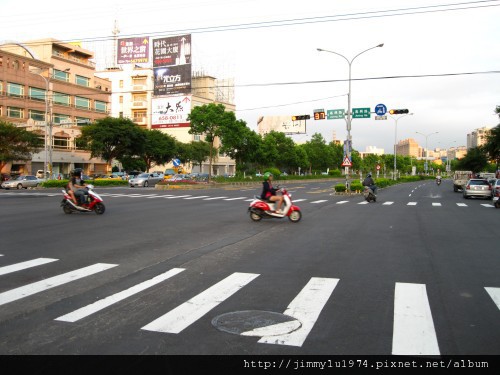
x: 67, y: 209
x: 295, y: 216
x: 99, y: 208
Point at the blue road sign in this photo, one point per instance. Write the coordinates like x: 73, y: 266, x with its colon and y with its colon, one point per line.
x: 176, y: 162
x: 380, y: 109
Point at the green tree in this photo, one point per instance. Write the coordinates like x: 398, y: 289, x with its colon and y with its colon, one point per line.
x: 199, y: 152
x: 210, y: 120
x: 17, y: 143
x: 159, y: 148
x: 320, y: 156
x: 492, y: 145
x: 240, y: 143
x: 113, y: 138
x: 474, y: 161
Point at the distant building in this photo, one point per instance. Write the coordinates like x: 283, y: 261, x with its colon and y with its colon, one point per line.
x: 477, y: 137
x: 371, y: 150
x: 408, y: 147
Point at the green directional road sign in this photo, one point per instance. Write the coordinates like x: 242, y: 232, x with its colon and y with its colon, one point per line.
x: 361, y: 113
x: 333, y: 114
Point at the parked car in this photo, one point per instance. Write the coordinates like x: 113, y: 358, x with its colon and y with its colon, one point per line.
x: 145, y: 180
x: 477, y: 187
x: 21, y: 182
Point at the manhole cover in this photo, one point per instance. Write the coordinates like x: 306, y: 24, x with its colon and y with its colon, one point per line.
x: 256, y: 323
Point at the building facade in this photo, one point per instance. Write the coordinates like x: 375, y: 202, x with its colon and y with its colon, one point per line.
x: 477, y: 137
x: 49, y: 87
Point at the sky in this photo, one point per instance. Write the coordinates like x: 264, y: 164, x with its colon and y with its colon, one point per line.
x: 440, y: 59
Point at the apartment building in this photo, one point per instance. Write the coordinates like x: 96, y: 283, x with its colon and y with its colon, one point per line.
x: 132, y: 97
x: 49, y: 87
x: 408, y: 147
x: 477, y: 137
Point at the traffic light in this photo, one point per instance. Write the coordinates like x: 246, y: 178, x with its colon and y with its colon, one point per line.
x: 300, y: 117
x: 399, y: 111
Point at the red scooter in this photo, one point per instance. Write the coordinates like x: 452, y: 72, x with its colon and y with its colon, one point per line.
x: 261, y: 208
x: 93, y: 202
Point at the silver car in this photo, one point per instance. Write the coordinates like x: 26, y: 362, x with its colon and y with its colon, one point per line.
x: 477, y: 187
x: 145, y: 180
x: 22, y: 182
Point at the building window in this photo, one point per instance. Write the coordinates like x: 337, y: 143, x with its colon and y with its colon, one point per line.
x: 82, y: 103
x: 61, y: 142
x: 60, y: 75
x: 121, y: 99
x: 80, y: 121
x: 82, y: 81
x: 36, y: 115
x: 120, y: 114
x: 15, y: 112
x: 15, y: 89
x: 15, y: 64
x: 59, y: 118
x: 62, y: 99
x: 37, y: 94
x: 139, y: 116
x: 121, y: 83
x: 100, y: 106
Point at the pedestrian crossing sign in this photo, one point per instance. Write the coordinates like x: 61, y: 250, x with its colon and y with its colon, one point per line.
x: 347, y: 162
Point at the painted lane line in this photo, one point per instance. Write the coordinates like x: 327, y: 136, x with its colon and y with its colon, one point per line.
x: 342, y: 202
x: 412, y: 204
x: 27, y: 290
x: 209, y: 199
x: 305, y: 307
x: 461, y: 205
x: 487, y: 205
x: 436, y: 204
x: 108, y: 301
x: 234, y: 199
x: 387, y: 203
x: 183, y: 315
x: 23, y: 265
x: 494, y: 294
x: 320, y: 201
x: 178, y: 196
x: 414, y: 332
x: 198, y: 197
x: 299, y: 200
x: 363, y: 202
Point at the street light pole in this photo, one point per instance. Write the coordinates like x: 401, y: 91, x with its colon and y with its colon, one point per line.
x: 349, y: 114
x: 48, y: 122
x: 426, y: 150
x: 396, y: 140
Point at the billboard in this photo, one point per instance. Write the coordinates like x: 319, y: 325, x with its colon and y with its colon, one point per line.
x: 283, y: 124
x: 175, y: 50
x: 170, y: 112
x: 172, y: 80
x: 133, y: 50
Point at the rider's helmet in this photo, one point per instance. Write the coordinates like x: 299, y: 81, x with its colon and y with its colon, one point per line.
x: 77, y: 172
x: 369, y: 175
x: 267, y: 175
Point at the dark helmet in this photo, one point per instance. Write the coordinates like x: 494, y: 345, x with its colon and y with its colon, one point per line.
x: 369, y: 175
x: 77, y: 172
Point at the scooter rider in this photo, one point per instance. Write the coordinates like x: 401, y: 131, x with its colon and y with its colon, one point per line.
x: 76, y: 187
x: 438, y: 179
x: 269, y: 193
x: 368, y: 181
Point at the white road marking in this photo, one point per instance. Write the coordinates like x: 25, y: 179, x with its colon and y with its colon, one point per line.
x: 183, y: 315
x: 198, y: 197
x: 342, y: 202
x: 387, y: 203
x: 23, y: 265
x: 494, y: 294
x: 412, y: 204
x: 209, y: 199
x: 320, y: 201
x: 487, y: 205
x: 108, y: 301
x: 461, y: 204
x: 414, y: 332
x: 233, y: 199
x: 178, y: 196
x: 300, y: 200
x: 363, y: 202
x: 305, y: 307
x: 273, y: 329
x: 28, y: 290
x: 436, y: 204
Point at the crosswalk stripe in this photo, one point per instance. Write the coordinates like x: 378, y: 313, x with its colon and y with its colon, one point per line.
x: 305, y: 307
x: 494, y: 294
x: 198, y: 197
x: 387, y: 203
x: 233, y: 199
x: 299, y: 200
x: 177, y: 196
x: 363, y: 202
x: 28, y: 290
x: 436, y: 204
x: 209, y: 199
x: 183, y: 315
x: 414, y: 332
x: 487, y: 205
x: 108, y: 301
x: 320, y: 201
x: 461, y: 205
x: 412, y: 204
x: 24, y: 265
x: 342, y: 202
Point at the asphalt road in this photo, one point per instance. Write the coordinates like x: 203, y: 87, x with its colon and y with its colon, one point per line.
x: 188, y: 272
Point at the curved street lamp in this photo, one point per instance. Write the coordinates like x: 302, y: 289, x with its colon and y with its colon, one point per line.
x: 349, y: 114
x: 396, y: 139
x: 426, y: 151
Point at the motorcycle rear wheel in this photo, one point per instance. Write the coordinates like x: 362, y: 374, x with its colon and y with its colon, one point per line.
x: 497, y: 203
x: 255, y: 216
x: 295, y: 216
x: 99, y: 208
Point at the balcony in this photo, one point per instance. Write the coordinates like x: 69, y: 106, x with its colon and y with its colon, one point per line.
x: 139, y: 88
x: 140, y: 120
x: 139, y: 103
